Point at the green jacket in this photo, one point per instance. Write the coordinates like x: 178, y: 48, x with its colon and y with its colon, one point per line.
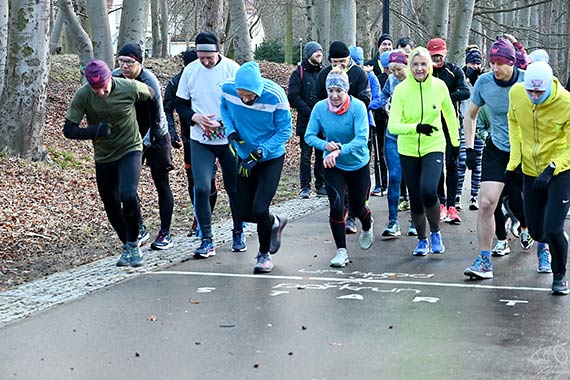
x: 424, y: 102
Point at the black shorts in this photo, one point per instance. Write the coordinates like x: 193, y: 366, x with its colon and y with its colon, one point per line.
x: 494, y: 163
x: 158, y: 155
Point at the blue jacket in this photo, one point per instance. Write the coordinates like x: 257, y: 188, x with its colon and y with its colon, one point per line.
x: 349, y: 129
x: 267, y: 123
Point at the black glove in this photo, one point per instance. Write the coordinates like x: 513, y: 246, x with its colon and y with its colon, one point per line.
x: 454, y: 152
x: 426, y: 129
x: 234, y: 139
x: 471, y: 159
x: 101, y: 130
x: 511, y: 176
x: 174, y: 138
x: 541, y: 183
x: 155, y: 134
x: 249, y: 162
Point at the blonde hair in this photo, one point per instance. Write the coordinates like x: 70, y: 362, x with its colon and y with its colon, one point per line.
x: 420, y: 52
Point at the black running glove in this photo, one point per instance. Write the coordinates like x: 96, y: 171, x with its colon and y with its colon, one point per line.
x: 471, y: 160
x: 543, y: 180
x: 249, y: 162
x: 425, y: 129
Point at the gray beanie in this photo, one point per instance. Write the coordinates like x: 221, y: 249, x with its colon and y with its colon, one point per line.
x: 311, y: 47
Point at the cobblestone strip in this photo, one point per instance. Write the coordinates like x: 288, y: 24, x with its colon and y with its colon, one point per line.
x: 26, y: 299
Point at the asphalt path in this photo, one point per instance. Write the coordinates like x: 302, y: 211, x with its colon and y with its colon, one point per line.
x: 387, y: 315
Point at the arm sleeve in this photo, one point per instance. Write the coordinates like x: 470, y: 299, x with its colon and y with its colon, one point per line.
x: 294, y: 94
x: 375, y: 91
x: 313, y: 132
x: 386, y: 93
x: 168, y: 103
x: 73, y: 131
x: 227, y: 118
x: 395, y: 124
x: 363, y: 88
x: 450, y: 117
x: 461, y: 91
x: 361, y: 131
x: 184, y: 109
x: 154, y: 109
x: 515, y: 157
x: 284, y: 128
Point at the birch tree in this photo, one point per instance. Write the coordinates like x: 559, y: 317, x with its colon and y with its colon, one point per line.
x: 3, y: 40
x: 22, y: 116
x: 100, y: 31
x: 164, y: 29
x: 343, y: 12
x: 155, y: 27
x: 240, y: 32
x: 132, y: 26
x: 461, y: 31
x: 81, y: 38
x: 441, y: 18
x: 323, y: 24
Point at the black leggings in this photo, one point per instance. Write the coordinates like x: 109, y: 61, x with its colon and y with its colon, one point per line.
x: 117, y: 183
x: 190, y: 176
x: 449, y: 178
x: 203, y: 159
x: 545, y: 216
x: 255, y: 195
x: 422, y: 176
x: 357, y: 183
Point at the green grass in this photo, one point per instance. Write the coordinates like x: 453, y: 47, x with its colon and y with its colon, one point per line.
x: 64, y: 159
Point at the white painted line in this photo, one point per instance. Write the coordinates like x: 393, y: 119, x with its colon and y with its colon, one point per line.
x: 352, y: 280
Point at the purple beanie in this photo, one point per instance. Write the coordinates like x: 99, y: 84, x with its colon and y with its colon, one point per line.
x: 502, y: 51
x: 398, y: 57
x: 97, y: 74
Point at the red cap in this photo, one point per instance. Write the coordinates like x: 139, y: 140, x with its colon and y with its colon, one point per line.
x: 436, y: 46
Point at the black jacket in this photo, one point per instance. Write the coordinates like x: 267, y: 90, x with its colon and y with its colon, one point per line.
x: 357, y: 79
x: 169, y: 104
x: 454, y: 78
x: 301, y: 83
x: 380, y: 74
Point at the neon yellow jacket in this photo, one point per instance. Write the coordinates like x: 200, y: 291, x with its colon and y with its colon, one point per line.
x: 422, y: 102
x: 539, y: 134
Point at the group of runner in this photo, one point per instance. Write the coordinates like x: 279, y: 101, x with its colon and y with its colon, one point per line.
x: 405, y: 106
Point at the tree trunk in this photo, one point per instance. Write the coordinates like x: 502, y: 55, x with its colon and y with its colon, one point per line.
x: 363, y: 27
x: 461, y: 29
x: 22, y: 115
x: 212, y: 16
x: 81, y: 39
x: 55, y: 34
x: 100, y: 31
x: 4, y: 11
x: 311, y: 27
x: 132, y: 23
x: 344, y: 14
x: 288, y: 47
x: 441, y: 18
x: 165, y: 52
x: 323, y: 23
x: 155, y: 26
x: 240, y: 32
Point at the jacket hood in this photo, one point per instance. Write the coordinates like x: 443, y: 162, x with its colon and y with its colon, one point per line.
x: 424, y: 52
x: 248, y: 78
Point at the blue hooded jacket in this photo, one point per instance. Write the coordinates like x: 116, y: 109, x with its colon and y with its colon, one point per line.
x: 267, y: 123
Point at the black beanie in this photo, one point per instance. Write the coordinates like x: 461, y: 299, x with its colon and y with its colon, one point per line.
x: 384, y: 37
x: 189, y: 57
x: 206, y: 41
x: 338, y: 49
x: 133, y: 50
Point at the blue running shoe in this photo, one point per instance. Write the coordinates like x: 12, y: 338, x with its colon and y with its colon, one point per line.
x: 264, y: 264
x: 436, y: 242
x: 392, y: 230
x: 412, y: 231
x: 560, y: 285
x: 341, y: 258
x: 125, y: 259
x: 205, y: 250
x: 422, y: 249
x: 163, y: 241
x: 135, y: 259
x: 238, y: 244
x: 482, y: 268
x: 543, y: 256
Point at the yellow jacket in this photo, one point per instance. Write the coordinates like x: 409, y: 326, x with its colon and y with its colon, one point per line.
x: 539, y: 134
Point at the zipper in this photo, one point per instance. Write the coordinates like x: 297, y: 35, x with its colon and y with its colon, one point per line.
x: 421, y: 118
x: 535, y: 135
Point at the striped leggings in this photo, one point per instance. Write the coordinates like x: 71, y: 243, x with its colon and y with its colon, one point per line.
x: 461, y: 166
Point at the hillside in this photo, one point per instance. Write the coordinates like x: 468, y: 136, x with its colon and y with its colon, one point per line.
x: 52, y: 217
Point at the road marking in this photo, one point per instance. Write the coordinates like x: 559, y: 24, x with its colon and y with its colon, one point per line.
x: 512, y: 302
x: 426, y: 299
x: 351, y: 297
x: 362, y: 280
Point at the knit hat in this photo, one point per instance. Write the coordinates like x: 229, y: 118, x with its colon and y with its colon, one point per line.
x: 539, y: 55
x: 436, y: 46
x: 338, y: 49
x: 538, y: 76
x: 385, y: 58
x: 473, y: 56
x: 383, y: 38
x: 207, y: 42
x: 189, y: 57
x: 357, y: 54
x: 248, y: 77
x: 311, y: 47
x: 502, y: 51
x: 133, y: 50
x: 97, y: 74
x: 397, y: 56
x: 337, y: 80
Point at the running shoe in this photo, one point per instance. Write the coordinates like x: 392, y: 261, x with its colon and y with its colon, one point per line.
x: 264, y: 264
x: 340, y: 259
x: 453, y: 216
x: 473, y: 204
x: 442, y: 212
x: 501, y: 248
x: 543, y: 256
x: 482, y: 268
x: 526, y: 240
x: 305, y: 193
x: 143, y: 235
x: 276, y: 231
x: 136, y: 259
x: 163, y: 241
x: 350, y: 226
x: 422, y: 249
x: 458, y: 202
x: 404, y: 205
x: 206, y: 249
x: 436, y: 242
x: 238, y: 241
x: 377, y: 192
x: 392, y: 230
x: 366, y: 239
x: 193, y: 231
x: 321, y: 191
x: 560, y: 285
x: 125, y: 258
x: 412, y: 231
